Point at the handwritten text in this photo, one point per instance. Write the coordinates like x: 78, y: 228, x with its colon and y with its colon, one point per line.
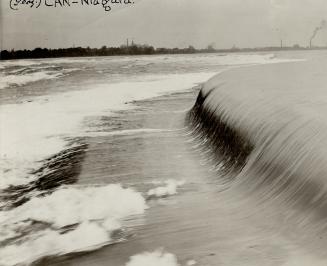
x: 107, y: 5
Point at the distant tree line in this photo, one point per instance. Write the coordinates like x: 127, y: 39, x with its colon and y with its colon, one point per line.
x: 133, y: 49
x: 76, y: 51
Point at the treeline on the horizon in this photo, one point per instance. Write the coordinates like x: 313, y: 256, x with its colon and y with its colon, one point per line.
x: 129, y: 50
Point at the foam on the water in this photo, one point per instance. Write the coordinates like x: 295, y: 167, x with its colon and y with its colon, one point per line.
x: 157, y: 258
x: 169, y: 188
x: 36, y: 130
x: 75, y: 219
x: 18, y: 80
x: 68, y: 220
x: 87, y: 236
x: 19, y: 63
x: 14, y: 70
x: 123, y: 132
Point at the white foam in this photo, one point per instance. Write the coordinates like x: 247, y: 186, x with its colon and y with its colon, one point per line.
x: 97, y: 211
x: 170, y: 188
x: 156, y: 258
x: 31, y: 132
x: 68, y: 206
x: 18, y: 80
x: 125, y: 132
x: 217, y: 59
x: 19, y: 63
x: 191, y: 263
x: 72, y: 60
x: 87, y: 236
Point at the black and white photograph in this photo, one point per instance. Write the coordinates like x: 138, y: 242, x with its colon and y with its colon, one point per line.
x: 163, y: 132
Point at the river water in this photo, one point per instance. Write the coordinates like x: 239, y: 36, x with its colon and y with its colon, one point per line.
x: 99, y: 163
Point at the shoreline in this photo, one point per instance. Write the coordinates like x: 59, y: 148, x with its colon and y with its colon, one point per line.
x: 197, y: 52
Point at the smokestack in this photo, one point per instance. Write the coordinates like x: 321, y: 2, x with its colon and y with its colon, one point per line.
x: 323, y: 25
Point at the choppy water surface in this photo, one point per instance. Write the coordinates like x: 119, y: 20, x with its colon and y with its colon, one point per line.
x: 103, y: 155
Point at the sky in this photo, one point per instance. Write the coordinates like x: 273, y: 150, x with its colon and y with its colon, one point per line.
x: 165, y: 23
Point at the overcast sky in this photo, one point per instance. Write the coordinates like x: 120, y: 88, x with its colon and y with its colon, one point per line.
x: 166, y: 23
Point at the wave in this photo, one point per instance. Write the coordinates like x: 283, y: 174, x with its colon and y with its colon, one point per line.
x: 18, y: 80
x: 69, y: 115
x: 72, y: 219
x: 68, y: 220
x: 43, y: 214
x: 19, y: 63
x: 21, y: 72
x: 264, y: 128
x: 60, y: 169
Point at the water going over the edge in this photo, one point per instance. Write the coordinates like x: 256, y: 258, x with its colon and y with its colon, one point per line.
x: 142, y: 161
